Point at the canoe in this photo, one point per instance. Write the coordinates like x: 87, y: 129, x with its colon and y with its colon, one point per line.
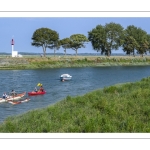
x: 26, y: 100
x: 14, y: 103
x: 16, y: 97
x: 36, y: 93
x: 18, y: 102
x: 2, y: 100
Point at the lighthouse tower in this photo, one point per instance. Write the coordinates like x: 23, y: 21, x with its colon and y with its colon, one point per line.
x: 14, y: 53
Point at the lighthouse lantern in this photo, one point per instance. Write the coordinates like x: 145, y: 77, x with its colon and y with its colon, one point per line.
x: 12, y: 42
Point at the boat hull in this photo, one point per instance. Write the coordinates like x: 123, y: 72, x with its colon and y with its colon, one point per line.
x: 10, y: 98
x: 65, y: 77
x: 36, y: 93
x: 14, y: 103
x: 18, y: 102
x: 3, y: 100
x: 26, y: 100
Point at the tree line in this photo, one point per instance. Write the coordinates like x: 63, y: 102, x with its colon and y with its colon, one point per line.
x: 104, y: 39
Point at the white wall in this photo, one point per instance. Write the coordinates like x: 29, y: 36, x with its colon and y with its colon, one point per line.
x: 14, y: 53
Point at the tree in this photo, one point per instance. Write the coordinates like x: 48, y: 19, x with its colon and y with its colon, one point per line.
x: 140, y: 37
x: 55, y: 46
x: 77, y: 41
x: 131, y: 30
x: 129, y: 45
x: 143, y: 48
x: 44, y: 37
x: 105, y: 38
x: 148, y: 40
x: 98, y: 38
x: 114, y: 35
x: 65, y: 43
x: 142, y: 40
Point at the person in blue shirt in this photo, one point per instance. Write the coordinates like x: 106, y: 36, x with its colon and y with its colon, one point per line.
x: 4, y: 95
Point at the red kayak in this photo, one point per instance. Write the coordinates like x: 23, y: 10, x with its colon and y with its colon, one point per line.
x: 36, y: 93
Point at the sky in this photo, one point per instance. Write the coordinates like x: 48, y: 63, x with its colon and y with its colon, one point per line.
x: 21, y: 30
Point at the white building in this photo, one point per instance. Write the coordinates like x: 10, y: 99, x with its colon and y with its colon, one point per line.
x: 14, y: 53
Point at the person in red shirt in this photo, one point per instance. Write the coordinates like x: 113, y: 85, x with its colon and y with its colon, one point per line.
x: 41, y: 89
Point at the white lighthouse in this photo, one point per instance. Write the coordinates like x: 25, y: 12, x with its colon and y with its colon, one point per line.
x: 14, y: 53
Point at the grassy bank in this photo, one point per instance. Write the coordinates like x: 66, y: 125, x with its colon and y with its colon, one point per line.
x: 37, y: 62
x: 122, y: 108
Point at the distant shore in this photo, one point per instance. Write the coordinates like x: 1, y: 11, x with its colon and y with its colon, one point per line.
x: 51, y: 61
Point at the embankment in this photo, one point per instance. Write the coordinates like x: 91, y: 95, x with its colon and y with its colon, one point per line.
x: 34, y: 62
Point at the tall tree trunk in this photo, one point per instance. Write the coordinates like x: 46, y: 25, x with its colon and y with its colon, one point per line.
x: 76, y: 52
x: 133, y: 53
x: 65, y: 51
x: 44, y: 51
x: 54, y: 52
x: 108, y: 52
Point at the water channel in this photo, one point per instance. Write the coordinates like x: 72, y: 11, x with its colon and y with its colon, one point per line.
x: 83, y: 81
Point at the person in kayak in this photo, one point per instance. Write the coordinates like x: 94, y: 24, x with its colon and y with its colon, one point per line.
x: 41, y: 89
x: 13, y: 93
x: 4, y: 95
x: 35, y: 89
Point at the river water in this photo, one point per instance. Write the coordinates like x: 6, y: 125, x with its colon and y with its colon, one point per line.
x: 83, y: 80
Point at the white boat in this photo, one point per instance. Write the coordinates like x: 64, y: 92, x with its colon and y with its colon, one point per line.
x: 2, y: 100
x: 65, y: 77
x: 9, y: 98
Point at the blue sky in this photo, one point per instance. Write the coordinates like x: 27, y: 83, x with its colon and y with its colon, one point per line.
x: 22, y: 29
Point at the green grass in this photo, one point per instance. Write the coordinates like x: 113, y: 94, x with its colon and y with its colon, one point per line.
x: 122, y: 108
x: 35, y: 62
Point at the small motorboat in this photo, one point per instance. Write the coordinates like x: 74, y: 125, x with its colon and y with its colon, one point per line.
x: 65, y: 77
x: 36, y: 93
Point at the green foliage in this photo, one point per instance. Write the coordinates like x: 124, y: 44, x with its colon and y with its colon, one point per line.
x: 77, y: 41
x: 135, y: 39
x: 98, y: 39
x: 106, y: 38
x: 44, y: 37
x: 111, y: 89
x: 65, y: 43
x: 114, y: 35
x: 129, y: 45
x: 85, y: 59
